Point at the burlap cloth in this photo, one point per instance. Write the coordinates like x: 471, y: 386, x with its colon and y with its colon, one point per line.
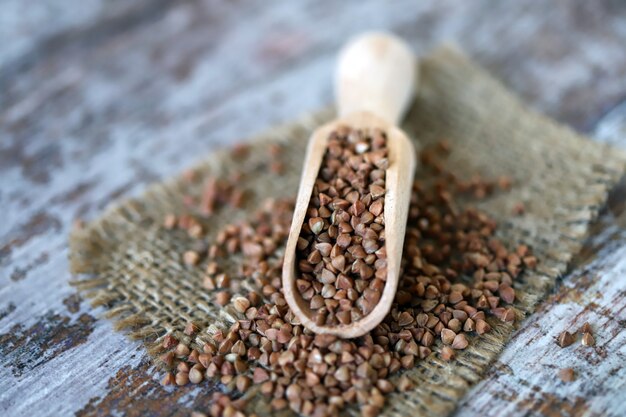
x: 561, y: 178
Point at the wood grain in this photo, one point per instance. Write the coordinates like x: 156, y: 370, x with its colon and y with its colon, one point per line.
x: 99, y: 98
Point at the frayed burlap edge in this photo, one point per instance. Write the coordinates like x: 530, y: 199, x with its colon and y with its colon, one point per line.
x: 561, y: 178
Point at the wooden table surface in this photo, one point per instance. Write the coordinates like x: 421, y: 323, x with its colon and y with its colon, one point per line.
x: 99, y: 98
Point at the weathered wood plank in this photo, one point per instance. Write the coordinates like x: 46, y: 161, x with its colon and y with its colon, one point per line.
x: 110, y: 96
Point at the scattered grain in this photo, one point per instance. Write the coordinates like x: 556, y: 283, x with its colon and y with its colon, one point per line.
x: 169, y: 379
x: 170, y: 221
x: 588, y: 340
x: 222, y: 298
x: 182, y: 378
x: 566, y: 339
x: 191, y: 328
x: 447, y: 353
x: 169, y: 341
x: 342, y: 261
x: 404, y: 384
x: 196, y: 375
x: 567, y: 375
x: 182, y: 350
x: 459, y: 342
x: 191, y: 257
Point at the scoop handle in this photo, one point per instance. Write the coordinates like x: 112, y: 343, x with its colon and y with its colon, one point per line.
x: 375, y: 73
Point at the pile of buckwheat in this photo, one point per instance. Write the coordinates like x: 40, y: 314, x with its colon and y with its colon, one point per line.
x: 455, y: 274
x: 342, y: 262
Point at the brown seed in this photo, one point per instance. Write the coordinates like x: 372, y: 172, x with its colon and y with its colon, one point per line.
x: 195, y: 231
x: 169, y: 379
x: 267, y: 388
x: 260, y: 375
x: 169, y: 341
x: 279, y: 404
x: 183, y: 367
x: 222, y: 298
x: 222, y: 281
x: 588, y: 340
x: 243, y: 383
x: 428, y: 339
x: 424, y: 352
x: 314, y: 257
x: 293, y: 392
x: 508, y: 315
x: 344, y: 317
x: 460, y: 342
x: 567, y: 375
x: 193, y: 356
x: 586, y: 328
x: 339, y: 262
x: 376, y: 208
x: 216, y: 410
x: 254, y: 298
x: 369, y: 411
x: 566, y: 339
x: 209, y: 348
x: 212, y: 267
x: 225, y: 346
x: 170, y: 221
x: 385, y: 386
x: 344, y: 240
x: 454, y: 325
x: 530, y: 262
x: 327, y: 277
x: 252, y: 250
x: 316, y: 302
x: 302, y: 243
x: 407, y: 361
x: 239, y: 348
x: 195, y: 375
x: 342, y: 374
x: 191, y: 257
x: 328, y: 291
x: 182, y: 350
x: 482, y: 326
x: 404, y: 384
x: 212, y: 370
x: 208, y: 282
x: 447, y: 336
x: 506, y: 293
x: 316, y: 224
x: 204, y: 359
x: 405, y: 319
x: 447, y: 353
x: 191, y: 328
x: 241, y: 304
x: 167, y: 358
x: 377, y: 191
x: 455, y: 297
x: 182, y: 378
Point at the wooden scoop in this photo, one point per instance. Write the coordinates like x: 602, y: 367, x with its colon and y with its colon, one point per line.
x: 374, y: 84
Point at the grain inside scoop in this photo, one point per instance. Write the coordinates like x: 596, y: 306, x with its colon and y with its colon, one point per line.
x: 345, y: 239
